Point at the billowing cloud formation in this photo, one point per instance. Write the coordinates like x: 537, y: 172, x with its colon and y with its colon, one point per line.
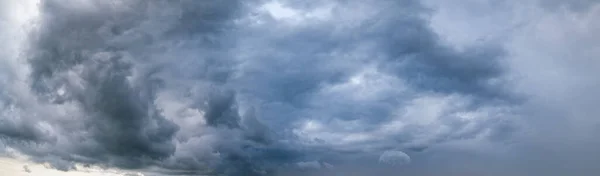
x: 299, y: 88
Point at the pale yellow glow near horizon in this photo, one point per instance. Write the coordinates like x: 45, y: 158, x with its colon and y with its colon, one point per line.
x: 17, y: 167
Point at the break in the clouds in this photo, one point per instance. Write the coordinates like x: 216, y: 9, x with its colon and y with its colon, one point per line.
x: 288, y: 87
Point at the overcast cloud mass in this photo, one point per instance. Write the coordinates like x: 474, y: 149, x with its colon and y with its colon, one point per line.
x: 303, y: 88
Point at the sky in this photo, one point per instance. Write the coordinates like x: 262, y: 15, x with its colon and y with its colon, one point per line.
x: 299, y: 88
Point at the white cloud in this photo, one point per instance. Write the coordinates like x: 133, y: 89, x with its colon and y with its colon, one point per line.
x: 16, y: 167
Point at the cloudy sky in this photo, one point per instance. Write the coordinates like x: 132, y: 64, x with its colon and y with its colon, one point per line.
x: 300, y: 88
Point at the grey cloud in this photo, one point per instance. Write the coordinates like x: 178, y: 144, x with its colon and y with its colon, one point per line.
x: 416, y: 55
x: 222, y: 110
x: 92, y: 59
x: 22, y: 131
x: 220, y: 88
x: 119, y: 116
x: 26, y: 169
x: 574, y: 5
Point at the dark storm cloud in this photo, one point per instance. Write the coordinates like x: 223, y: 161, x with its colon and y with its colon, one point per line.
x: 218, y: 87
x: 222, y: 110
x: 21, y: 131
x: 415, y: 52
x: 88, y: 54
x: 298, y: 62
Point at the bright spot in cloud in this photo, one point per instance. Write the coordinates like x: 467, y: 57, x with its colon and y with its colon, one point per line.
x: 279, y: 11
x: 17, y: 167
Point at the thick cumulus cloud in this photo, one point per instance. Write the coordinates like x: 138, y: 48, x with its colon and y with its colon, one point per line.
x: 298, y: 88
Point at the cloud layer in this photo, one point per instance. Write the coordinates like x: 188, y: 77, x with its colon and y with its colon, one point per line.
x: 302, y: 88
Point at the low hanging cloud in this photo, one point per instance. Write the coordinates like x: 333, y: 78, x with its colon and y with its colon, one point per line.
x: 292, y: 87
